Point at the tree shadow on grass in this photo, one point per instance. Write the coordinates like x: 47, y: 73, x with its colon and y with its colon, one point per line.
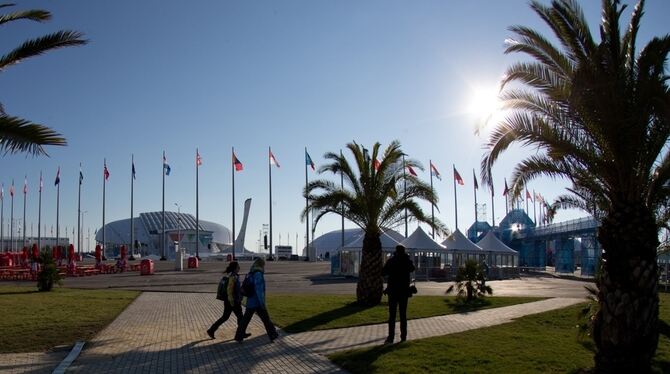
x: 459, y: 305
x: 363, y: 361
x: 323, y: 318
x: 17, y: 292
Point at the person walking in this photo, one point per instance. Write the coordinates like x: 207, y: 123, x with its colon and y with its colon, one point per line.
x: 398, y: 268
x: 254, y: 288
x: 232, y: 298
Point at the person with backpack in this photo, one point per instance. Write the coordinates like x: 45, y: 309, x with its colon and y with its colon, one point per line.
x: 398, y: 268
x: 253, y: 288
x: 229, y: 291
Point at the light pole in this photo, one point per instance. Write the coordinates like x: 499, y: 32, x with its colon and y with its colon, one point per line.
x: 179, y: 253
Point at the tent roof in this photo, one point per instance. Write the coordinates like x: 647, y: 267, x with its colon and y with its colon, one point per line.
x: 421, y: 241
x: 388, y: 241
x: 458, y: 242
x: 493, y: 244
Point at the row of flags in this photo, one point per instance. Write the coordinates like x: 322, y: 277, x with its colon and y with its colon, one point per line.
x: 237, y: 164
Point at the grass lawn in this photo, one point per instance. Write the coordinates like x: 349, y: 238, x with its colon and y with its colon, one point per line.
x: 37, y: 321
x: 298, y: 313
x: 542, y: 343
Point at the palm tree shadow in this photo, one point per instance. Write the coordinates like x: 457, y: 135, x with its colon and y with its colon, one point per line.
x: 459, y: 305
x: 323, y: 318
x: 364, y: 360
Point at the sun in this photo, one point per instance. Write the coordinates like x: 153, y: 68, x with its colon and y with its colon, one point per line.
x: 484, y: 102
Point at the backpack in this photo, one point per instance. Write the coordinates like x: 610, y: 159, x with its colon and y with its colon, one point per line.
x: 248, y: 286
x: 222, y: 290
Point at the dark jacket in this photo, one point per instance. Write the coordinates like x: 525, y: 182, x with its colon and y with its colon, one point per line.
x: 398, y: 268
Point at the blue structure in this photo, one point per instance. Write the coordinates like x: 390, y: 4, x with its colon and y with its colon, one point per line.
x: 564, y: 245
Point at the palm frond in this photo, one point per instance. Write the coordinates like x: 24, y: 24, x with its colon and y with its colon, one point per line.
x: 19, y: 135
x: 37, y: 15
x: 38, y: 46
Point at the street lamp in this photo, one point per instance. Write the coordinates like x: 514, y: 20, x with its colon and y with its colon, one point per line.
x: 178, y: 223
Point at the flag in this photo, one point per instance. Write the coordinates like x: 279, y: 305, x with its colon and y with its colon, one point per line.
x: 11, y: 189
x: 506, y: 191
x: 166, y: 166
x: 57, y: 182
x: 411, y: 171
x: 376, y: 164
x: 433, y: 171
x: 25, y: 185
x: 474, y: 177
x: 236, y: 162
x: 133, y: 169
x: 457, y: 178
x: 2, y: 192
x: 81, y: 175
x: 273, y: 160
x: 528, y: 196
x: 308, y: 160
x: 198, y: 159
x: 105, y: 172
x: 41, y: 182
x: 539, y: 197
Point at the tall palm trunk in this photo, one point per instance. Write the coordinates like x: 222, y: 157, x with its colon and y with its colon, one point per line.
x: 370, y: 282
x: 626, y: 324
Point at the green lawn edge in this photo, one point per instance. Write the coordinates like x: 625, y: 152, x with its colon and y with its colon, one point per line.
x: 39, y: 321
x: 300, y: 313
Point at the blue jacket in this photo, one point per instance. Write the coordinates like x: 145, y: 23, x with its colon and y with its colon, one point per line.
x: 258, y: 300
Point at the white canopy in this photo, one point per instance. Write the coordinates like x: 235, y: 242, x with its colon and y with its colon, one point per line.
x: 457, y: 242
x: 490, y: 243
x: 419, y: 240
x: 387, y: 242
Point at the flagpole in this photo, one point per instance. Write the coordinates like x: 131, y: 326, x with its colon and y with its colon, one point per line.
x: 455, y: 199
x: 104, y: 184
x: 78, y: 213
x: 404, y: 180
x: 342, y: 188
x: 57, y: 209
x: 432, y: 205
x: 270, y: 189
x: 25, y: 195
x: 163, y: 214
x: 474, y: 189
x: 527, y: 202
x: 493, y: 208
x: 132, y: 213
x: 233, y: 173
x: 306, y: 210
x: 534, y: 209
x: 197, y: 205
x: 11, y: 219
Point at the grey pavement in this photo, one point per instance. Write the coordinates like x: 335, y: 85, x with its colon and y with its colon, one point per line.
x: 31, y: 362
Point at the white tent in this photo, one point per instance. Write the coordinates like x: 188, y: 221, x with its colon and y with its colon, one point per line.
x: 499, y: 253
x: 490, y: 243
x: 420, y: 241
x: 457, y: 242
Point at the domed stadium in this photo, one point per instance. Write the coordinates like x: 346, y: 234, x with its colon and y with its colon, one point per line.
x: 331, y: 241
x: 214, y: 238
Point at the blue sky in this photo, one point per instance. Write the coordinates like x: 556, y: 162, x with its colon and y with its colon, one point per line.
x: 173, y: 76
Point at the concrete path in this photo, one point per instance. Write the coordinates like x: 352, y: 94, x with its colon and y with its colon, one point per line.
x: 32, y: 362
x: 329, y: 341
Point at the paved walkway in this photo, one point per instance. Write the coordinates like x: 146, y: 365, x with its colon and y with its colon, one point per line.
x: 163, y: 332
x: 32, y: 362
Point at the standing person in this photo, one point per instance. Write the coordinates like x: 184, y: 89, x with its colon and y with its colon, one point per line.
x: 398, y: 268
x: 232, y: 299
x: 256, y: 302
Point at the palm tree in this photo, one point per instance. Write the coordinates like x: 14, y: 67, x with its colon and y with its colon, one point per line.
x: 470, y: 282
x: 599, y: 115
x: 375, y: 199
x: 20, y: 135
